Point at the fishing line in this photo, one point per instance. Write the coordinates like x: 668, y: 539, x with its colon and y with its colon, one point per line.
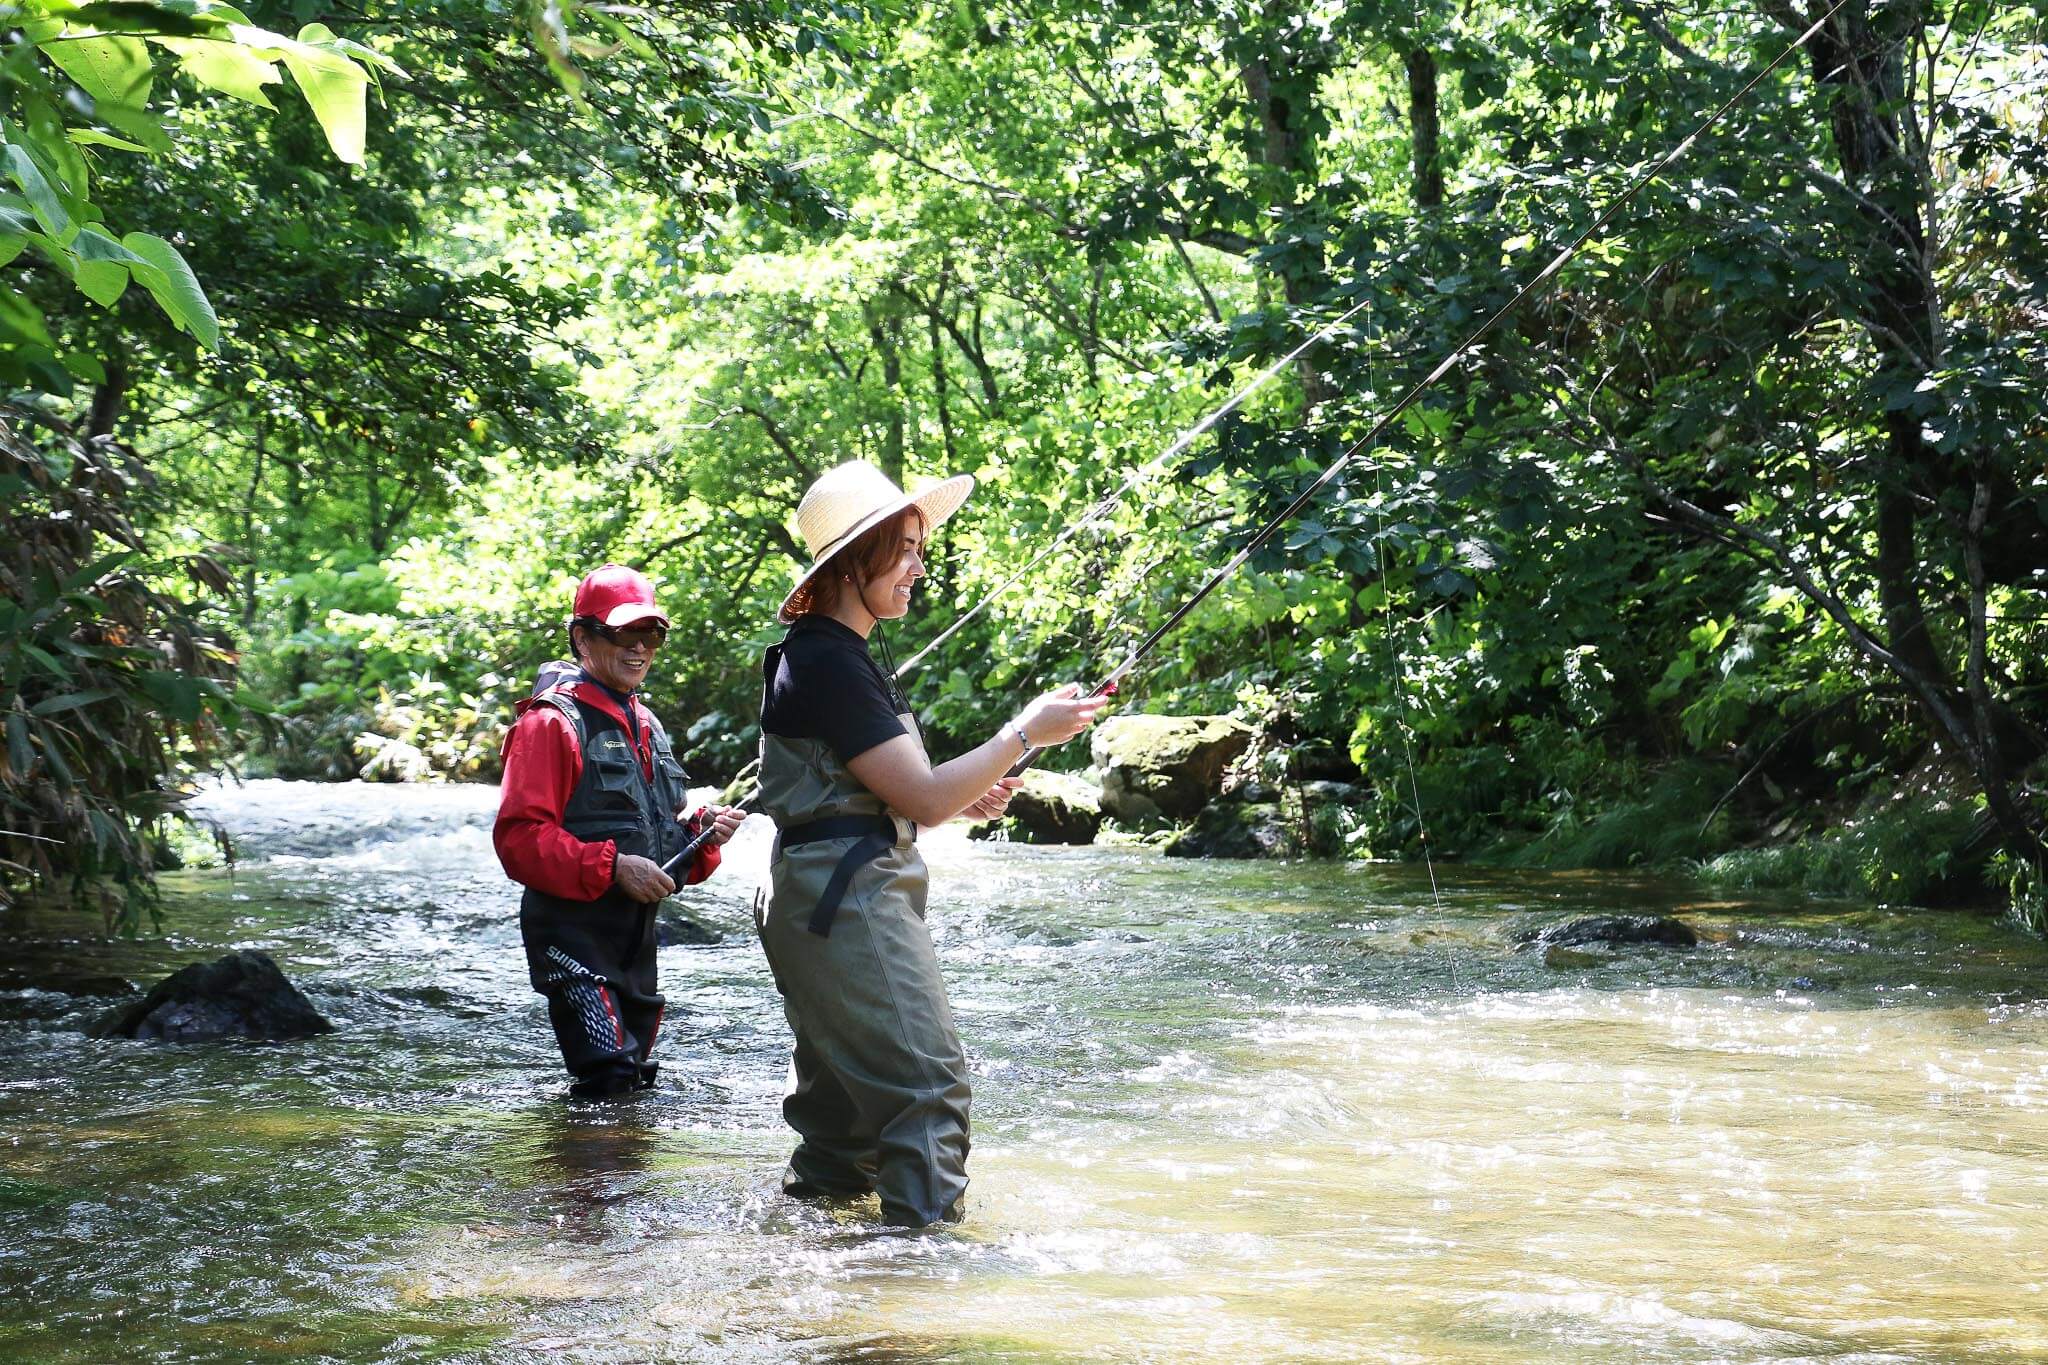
x: 1114, y: 498
x: 1399, y: 674
x: 1266, y: 532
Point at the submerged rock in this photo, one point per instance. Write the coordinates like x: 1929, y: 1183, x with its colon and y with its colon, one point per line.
x: 674, y: 929
x: 1164, y: 766
x: 105, y: 985
x: 1659, y: 930
x: 243, y: 995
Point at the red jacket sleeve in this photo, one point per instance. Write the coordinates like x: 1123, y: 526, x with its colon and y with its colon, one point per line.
x: 542, y: 765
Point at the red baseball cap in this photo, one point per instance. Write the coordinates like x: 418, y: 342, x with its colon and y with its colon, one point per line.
x: 618, y: 596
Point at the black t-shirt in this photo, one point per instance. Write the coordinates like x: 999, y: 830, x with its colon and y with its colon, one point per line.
x: 821, y: 683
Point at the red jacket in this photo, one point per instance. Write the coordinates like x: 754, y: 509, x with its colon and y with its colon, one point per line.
x: 542, y: 767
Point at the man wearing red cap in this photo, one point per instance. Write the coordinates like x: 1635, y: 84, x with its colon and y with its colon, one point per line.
x: 590, y: 811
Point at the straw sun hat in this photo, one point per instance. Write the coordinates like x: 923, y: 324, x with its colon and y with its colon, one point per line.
x: 857, y: 497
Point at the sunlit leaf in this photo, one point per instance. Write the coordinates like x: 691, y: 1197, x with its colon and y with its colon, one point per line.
x: 174, y: 287
x: 228, y: 67
x: 113, y: 70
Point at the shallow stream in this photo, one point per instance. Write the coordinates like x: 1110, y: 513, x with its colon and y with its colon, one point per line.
x: 1223, y: 1112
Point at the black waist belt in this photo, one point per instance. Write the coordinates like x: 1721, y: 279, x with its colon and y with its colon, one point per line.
x: 873, y: 835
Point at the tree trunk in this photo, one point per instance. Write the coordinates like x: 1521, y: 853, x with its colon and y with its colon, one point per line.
x: 887, y: 335
x: 108, y: 399
x: 1281, y: 96
x: 249, y: 527
x: 1425, y: 128
x: 940, y: 397
x: 1862, y: 71
x: 1859, y: 62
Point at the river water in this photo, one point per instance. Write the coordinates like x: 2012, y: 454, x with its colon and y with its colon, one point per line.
x: 1223, y: 1112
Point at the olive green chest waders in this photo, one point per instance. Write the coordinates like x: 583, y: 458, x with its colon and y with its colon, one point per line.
x: 878, y: 1084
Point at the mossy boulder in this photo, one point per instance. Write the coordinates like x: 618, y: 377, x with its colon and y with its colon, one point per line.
x: 1053, y: 808
x: 1320, y: 760
x: 1235, y: 829
x: 1164, y: 767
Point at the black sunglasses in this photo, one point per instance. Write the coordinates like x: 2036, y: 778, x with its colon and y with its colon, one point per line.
x: 652, y: 636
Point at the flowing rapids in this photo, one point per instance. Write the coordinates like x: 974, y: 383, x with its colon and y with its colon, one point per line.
x: 1223, y: 1112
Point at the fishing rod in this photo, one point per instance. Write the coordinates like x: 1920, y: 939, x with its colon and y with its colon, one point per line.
x: 690, y: 850
x: 1108, y: 685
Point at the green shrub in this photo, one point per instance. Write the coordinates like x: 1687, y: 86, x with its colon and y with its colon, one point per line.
x: 2026, y: 892
x: 1637, y: 819
x: 106, y: 677
x: 1895, y: 852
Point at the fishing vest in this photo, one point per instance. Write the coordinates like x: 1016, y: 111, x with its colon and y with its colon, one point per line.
x: 614, y: 798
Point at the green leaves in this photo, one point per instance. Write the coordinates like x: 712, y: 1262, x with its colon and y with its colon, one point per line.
x: 113, y: 70
x: 103, y: 267
x: 228, y: 67
x: 170, y: 281
x: 104, y: 51
x: 334, y: 86
x: 87, y: 673
x: 43, y: 200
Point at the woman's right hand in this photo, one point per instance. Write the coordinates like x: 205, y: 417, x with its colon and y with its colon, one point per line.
x: 1058, y: 716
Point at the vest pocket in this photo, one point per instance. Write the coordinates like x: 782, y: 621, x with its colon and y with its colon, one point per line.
x: 614, y: 785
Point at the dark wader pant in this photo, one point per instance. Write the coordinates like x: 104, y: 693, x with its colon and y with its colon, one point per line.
x: 595, y: 960
x: 596, y: 966
x: 878, y: 1083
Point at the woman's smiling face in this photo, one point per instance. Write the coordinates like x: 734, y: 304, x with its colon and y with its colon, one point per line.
x: 887, y: 594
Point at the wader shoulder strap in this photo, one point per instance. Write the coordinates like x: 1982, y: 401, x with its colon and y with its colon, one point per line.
x: 872, y: 835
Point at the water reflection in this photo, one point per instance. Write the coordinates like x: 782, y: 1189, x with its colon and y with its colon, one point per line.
x: 588, y: 1157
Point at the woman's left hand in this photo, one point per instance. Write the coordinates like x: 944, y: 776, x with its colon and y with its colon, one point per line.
x: 995, y: 800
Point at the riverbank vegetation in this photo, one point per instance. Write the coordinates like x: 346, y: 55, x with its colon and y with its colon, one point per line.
x: 1729, y: 551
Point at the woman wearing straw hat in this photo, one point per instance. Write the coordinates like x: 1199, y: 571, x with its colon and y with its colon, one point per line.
x: 878, y: 1088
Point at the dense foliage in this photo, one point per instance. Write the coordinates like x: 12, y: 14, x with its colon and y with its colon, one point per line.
x: 1737, y: 535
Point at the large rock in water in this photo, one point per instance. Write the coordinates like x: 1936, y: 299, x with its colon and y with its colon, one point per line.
x: 243, y: 995
x: 1302, y: 820
x: 1164, y: 766
x: 1054, y: 808
x: 1661, y: 930
x: 674, y: 929
x: 1235, y: 829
